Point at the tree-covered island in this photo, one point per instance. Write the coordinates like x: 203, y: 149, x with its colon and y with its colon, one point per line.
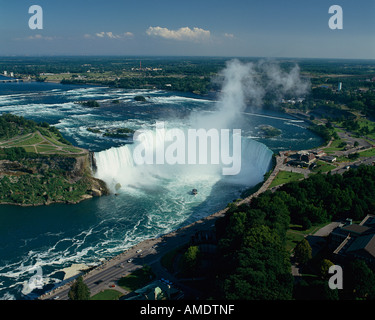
x: 38, y: 166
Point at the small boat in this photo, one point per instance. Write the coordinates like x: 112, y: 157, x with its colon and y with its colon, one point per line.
x: 194, y: 191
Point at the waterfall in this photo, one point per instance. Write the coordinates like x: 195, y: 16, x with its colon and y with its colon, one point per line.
x: 116, y: 166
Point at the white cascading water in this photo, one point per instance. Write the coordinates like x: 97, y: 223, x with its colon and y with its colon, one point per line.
x: 117, y: 168
x: 240, y: 84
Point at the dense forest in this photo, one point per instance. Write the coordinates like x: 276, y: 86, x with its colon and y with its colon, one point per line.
x: 253, y: 262
x: 11, y: 126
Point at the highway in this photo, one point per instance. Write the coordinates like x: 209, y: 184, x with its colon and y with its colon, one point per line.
x: 107, y: 274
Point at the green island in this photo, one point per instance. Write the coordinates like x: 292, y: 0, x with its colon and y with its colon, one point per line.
x: 39, y: 167
x: 269, y: 131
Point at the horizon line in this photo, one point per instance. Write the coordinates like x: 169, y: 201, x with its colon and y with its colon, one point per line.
x: 178, y: 56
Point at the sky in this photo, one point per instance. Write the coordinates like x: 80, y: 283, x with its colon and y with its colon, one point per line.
x: 243, y: 28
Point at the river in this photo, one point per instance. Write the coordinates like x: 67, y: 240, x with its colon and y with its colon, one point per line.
x: 44, y: 240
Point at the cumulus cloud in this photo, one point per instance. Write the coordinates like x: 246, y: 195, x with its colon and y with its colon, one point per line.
x: 36, y: 37
x: 182, y: 34
x: 109, y: 35
x: 228, y: 35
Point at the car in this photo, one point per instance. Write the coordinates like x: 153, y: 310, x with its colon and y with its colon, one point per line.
x: 138, y: 251
x: 130, y: 260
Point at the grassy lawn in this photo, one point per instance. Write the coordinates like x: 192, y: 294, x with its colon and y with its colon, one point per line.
x: 335, y: 146
x: 49, y: 146
x: 29, y: 141
x: 371, y: 125
x: 323, y: 167
x: 292, y: 239
x: 284, y: 177
x: 368, y: 153
x: 295, y: 234
x: 108, y: 294
x: 137, y: 279
x: 72, y: 149
x: 344, y: 159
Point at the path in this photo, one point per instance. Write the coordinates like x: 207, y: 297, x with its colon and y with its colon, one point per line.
x: 59, y: 148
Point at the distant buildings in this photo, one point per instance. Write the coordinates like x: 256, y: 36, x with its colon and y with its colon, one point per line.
x: 308, y: 158
x: 302, y: 159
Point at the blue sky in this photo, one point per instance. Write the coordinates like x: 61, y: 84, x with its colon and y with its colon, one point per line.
x: 268, y: 28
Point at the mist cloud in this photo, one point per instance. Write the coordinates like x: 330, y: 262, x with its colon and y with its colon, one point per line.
x: 248, y: 85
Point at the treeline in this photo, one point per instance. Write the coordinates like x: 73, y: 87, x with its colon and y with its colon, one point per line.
x: 321, y: 198
x: 11, y: 126
x: 252, y: 262
x: 29, y: 189
x: 325, y: 132
x: 184, y: 84
x: 363, y: 101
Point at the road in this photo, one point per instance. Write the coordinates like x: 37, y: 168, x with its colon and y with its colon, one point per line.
x: 106, y: 275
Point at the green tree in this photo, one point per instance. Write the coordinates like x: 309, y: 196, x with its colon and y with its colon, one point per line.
x: 303, y: 252
x: 324, y: 267
x: 79, y: 290
x: 361, y: 280
x: 190, y: 259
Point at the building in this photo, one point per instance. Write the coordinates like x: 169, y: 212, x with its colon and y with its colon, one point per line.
x: 308, y: 157
x: 156, y: 290
x: 328, y: 158
x: 319, y: 153
x: 354, y: 241
x: 302, y: 159
x: 339, y: 87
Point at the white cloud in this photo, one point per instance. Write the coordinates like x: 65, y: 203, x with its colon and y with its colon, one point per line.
x: 228, y: 35
x: 186, y: 34
x: 37, y: 37
x: 111, y: 35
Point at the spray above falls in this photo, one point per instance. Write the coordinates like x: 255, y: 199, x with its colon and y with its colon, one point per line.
x: 243, y: 84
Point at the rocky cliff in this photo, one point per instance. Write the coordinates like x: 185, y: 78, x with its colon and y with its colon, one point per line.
x: 49, y: 179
